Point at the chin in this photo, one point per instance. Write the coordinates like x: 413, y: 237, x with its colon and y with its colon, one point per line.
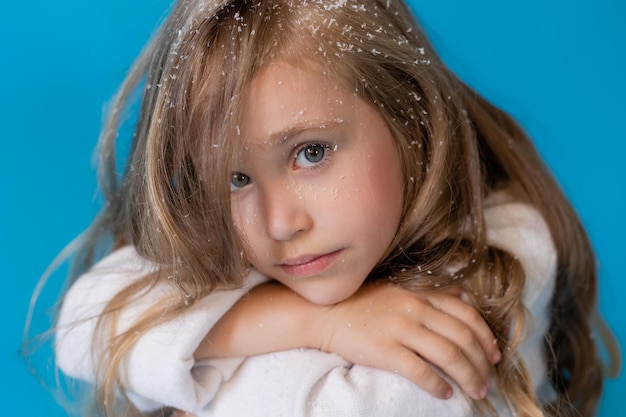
x: 324, y: 299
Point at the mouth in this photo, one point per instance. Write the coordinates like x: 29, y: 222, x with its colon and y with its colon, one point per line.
x: 310, y: 265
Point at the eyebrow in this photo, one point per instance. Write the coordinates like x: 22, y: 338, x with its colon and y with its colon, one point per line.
x: 283, y: 136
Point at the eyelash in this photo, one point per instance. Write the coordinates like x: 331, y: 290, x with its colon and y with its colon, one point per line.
x: 328, y: 150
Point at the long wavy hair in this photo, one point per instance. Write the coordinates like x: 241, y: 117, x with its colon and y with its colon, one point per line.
x: 172, y: 201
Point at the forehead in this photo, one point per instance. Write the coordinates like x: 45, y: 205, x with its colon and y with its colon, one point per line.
x: 284, y: 99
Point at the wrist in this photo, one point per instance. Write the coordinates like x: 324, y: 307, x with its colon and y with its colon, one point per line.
x: 269, y: 319
x: 305, y: 323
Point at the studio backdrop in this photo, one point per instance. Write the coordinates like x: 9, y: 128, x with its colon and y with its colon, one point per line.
x: 557, y: 66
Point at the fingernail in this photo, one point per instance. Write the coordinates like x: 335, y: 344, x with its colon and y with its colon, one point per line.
x: 495, y: 358
x: 483, y: 392
x: 448, y: 394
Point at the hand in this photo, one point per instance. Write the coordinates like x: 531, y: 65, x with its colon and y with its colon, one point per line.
x: 390, y: 328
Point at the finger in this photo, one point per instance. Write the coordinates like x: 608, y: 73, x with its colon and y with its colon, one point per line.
x: 404, y: 362
x: 465, y: 338
x: 445, y: 340
x: 464, y: 364
x: 467, y: 314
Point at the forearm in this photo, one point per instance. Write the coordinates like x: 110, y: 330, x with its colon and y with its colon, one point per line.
x: 379, y: 326
x: 270, y: 318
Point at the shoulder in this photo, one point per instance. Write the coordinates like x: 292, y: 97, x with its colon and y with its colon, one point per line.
x: 120, y: 269
x: 87, y: 298
x: 107, y: 277
x: 519, y: 228
x: 122, y: 260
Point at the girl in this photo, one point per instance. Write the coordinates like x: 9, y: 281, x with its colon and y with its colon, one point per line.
x: 325, y: 147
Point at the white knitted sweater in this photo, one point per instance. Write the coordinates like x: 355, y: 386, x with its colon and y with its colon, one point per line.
x: 161, y: 370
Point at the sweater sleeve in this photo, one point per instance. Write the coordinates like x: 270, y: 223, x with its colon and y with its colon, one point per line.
x: 520, y: 229
x: 300, y: 382
x: 311, y: 383
x: 160, y: 368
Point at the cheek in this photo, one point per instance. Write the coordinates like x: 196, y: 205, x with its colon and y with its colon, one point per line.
x: 387, y: 187
x: 244, y: 217
x: 382, y: 193
x: 384, y: 178
x: 367, y: 203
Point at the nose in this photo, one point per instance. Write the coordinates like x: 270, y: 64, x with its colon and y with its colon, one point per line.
x: 286, y: 212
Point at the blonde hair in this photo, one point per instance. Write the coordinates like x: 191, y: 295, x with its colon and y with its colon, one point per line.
x: 173, y: 204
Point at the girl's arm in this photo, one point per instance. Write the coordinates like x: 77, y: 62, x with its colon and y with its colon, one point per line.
x: 381, y: 326
x: 311, y: 383
x: 159, y: 369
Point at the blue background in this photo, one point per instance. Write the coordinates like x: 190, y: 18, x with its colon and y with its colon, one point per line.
x: 557, y: 65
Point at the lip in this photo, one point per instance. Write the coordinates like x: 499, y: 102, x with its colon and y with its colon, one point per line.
x: 310, y: 265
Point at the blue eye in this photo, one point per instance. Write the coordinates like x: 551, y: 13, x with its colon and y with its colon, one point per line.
x: 311, y: 154
x: 238, y: 180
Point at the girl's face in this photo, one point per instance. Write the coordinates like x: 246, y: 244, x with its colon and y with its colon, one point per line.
x: 317, y: 191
